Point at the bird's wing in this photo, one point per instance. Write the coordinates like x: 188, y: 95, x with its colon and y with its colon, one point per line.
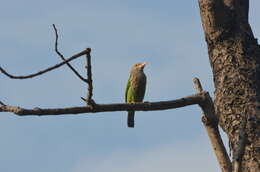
x: 127, y: 88
x: 142, y: 89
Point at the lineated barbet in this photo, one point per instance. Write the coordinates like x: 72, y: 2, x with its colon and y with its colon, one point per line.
x: 135, y: 89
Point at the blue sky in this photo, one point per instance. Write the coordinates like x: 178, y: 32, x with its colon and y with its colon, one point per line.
x: 166, y: 34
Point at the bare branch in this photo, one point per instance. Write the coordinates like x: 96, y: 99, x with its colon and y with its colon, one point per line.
x: 45, y: 70
x: 82, y: 98
x: 197, y: 85
x: 208, y: 105
x: 210, y: 122
x: 1, y: 103
x: 89, y: 99
x: 62, y: 57
x: 148, y: 106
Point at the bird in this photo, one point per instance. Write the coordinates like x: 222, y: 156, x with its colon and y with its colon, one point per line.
x: 135, y: 89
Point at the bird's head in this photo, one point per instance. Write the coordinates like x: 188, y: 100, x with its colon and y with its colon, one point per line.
x: 139, y: 66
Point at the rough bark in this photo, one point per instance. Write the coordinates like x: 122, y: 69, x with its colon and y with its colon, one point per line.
x: 235, y: 58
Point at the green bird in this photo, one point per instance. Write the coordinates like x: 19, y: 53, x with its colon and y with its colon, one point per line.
x: 135, y: 89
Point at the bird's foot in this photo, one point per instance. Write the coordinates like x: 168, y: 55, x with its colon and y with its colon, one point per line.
x: 132, y: 103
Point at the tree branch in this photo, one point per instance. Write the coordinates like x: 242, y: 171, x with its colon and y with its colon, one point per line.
x: 1, y: 103
x: 149, y: 106
x: 45, y: 70
x: 62, y: 57
x: 89, y: 99
x: 210, y: 122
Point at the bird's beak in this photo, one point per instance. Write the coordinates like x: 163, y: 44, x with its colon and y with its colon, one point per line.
x: 142, y: 65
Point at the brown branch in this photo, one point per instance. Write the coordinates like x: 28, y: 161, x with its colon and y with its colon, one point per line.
x: 210, y: 122
x: 148, y: 106
x: 45, y: 70
x: 207, y: 106
x: 62, y: 57
x: 89, y: 99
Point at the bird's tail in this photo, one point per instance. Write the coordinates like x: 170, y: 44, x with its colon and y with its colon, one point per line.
x: 131, y: 119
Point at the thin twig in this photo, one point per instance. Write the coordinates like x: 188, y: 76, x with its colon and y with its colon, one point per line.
x: 89, y: 99
x: 45, y: 70
x: 197, y: 85
x: 148, y: 106
x: 62, y: 57
x: 82, y: 98
x: 1, y: 103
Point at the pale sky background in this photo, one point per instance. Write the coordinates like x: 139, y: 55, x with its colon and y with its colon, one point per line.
x: 167, y: 34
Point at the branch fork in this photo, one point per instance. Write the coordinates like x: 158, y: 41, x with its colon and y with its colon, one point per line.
x: 202, y: 99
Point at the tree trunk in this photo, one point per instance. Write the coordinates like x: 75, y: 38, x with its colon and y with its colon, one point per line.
x: 235, y: 60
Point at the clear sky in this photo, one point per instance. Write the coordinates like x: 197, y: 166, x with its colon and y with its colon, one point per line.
x: 167, y: 34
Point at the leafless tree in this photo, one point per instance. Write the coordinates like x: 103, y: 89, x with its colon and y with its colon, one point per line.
x: 235, y: 60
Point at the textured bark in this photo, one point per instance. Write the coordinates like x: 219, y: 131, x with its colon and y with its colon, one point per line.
x: 234, y: 57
